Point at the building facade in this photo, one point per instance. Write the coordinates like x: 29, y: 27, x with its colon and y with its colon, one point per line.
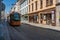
x: 58, y: 13
x: 42, y: 11
x: 2, y: 11
x: 16, y: 7
x: 24, y: 9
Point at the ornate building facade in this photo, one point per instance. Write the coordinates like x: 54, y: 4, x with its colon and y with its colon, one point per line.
x: 42, y: 11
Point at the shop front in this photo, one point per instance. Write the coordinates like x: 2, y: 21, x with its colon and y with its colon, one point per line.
x: 30, y: 18
x: 48, y: 18
x: 33, y: 18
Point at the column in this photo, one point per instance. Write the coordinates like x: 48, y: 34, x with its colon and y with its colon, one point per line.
x: 39, y: 17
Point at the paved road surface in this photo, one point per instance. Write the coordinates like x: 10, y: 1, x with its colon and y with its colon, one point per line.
x: 29, y: 32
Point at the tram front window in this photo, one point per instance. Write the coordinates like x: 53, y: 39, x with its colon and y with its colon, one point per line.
x: 16, y: 17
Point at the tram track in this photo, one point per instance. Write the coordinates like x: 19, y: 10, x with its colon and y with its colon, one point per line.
x: 14, y: 32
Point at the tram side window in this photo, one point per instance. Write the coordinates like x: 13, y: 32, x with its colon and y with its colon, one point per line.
x: 11, y: 17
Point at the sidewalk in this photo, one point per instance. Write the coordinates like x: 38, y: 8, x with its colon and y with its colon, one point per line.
x: 57, y: 28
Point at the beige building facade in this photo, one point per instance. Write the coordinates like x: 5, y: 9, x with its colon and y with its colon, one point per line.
x: 42, y: 11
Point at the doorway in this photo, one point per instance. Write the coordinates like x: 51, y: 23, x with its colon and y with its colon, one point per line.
x: 45, y: 19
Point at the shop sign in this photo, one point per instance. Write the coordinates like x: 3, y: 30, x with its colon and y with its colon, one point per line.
x: 52, y: 12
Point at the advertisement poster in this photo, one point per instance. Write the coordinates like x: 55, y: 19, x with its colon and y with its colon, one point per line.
x: 52, y: 16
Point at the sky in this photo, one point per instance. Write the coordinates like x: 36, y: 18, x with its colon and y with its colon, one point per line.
x: 8, y: 4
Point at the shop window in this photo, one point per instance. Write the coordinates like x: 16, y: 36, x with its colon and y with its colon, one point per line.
x: 35, y: 18
x: 44, y: 17
x: 41, y: 18
x: 49, y: 18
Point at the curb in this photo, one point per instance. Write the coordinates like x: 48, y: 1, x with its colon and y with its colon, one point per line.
x: 44, y: 26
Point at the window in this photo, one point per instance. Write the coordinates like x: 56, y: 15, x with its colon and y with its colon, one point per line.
x: 32, y: 0
x: 36, y: 5
x: 26, y: 2
x: 29, y: 1
x: 41, y: 4
x: 29, y: 8
x: 32, y: 6
x: 14, y: 8
x: 49, y: 2
x: 26, y: 9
